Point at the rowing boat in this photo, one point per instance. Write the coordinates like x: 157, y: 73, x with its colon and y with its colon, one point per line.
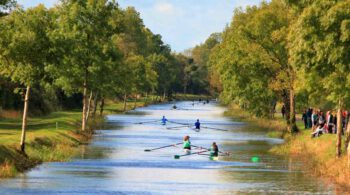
x: 214, y: 158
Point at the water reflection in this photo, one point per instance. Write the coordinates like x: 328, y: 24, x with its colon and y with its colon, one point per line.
x: 115, y: 162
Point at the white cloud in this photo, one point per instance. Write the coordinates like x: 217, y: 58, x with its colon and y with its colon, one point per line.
x: 164, y: 8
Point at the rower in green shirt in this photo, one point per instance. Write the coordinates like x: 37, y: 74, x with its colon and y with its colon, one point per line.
x: 187, y: 143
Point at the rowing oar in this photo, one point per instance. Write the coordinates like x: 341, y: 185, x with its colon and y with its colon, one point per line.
x: 147, y: 122
x: 177, y: 127
x: 178, y: 123
x: 178, y: 156
x: 218, y: 129
x: 149, y: 150
x: 226, y: 153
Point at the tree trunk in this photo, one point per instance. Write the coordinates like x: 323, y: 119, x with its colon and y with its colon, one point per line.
x: 146, y: 98
x: 102, y: 105
x: 88, y: 108
x: 348, y: 155
x: 163, y: 96
x: 292, y: 127
x: 135, y: 101
x: 339, y: 129
x: 347, y: 139
x: 83, y: 124
x: 286, y: 102
x: 95, y: 105
x: 347, y: 142
x: 24, y: 119
x: 124, y: 109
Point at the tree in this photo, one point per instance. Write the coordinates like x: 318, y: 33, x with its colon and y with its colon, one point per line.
x: 319, y: 49
x: 253, y: 60
x: 200, y: 76
x: 24, y: 51
x: 82, y: 38
x: 6, y: 6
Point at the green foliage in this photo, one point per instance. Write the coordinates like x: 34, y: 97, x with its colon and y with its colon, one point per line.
x: 252, y: 58
x: 6, y: 6
x: 319, y: 43
x: 24, y: 45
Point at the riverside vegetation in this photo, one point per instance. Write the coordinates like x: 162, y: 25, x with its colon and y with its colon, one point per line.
x: 81, y: 53
x: 54, y: 137
x: 317, y: 154
x: 59, y: 64
x: 293, y: 53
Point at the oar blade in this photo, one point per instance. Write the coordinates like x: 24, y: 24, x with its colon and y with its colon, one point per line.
x: 177, y: 156
x: 147, y: 150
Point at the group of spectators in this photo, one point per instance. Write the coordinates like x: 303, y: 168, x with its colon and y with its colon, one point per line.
x: 324, y: 123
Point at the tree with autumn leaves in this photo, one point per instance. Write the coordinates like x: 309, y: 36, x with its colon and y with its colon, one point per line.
x: 280, y: 50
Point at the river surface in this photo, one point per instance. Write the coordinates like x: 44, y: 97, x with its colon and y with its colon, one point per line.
x: 115, y: 162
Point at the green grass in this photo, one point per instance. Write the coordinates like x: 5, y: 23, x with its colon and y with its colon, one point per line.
x: 113, y: 107
x: 10, y: 129
x: 54, y: 137
x: 180, y: 96
x: 50, y: 138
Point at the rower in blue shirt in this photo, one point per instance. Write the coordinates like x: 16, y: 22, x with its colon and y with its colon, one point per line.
x: 197, y: 125
x: 164, y: 120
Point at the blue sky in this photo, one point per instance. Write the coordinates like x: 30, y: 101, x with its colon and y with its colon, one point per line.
x: 182, y: 23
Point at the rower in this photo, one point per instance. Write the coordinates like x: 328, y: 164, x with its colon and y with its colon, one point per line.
x: 197, y: 125
x: 174, y: 106
x: 164, y: 120
x: 187, y: 144
x: 214, y: 150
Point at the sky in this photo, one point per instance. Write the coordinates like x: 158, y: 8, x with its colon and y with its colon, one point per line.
x: 183, y: 24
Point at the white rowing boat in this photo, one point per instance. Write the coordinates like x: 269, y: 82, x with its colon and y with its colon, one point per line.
x: 187, y: 151
x: 214, y: 158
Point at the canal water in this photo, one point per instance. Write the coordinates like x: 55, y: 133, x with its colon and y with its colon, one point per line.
x: 116, y: 163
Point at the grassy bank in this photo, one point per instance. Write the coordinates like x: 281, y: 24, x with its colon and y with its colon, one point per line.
x: 275, y: 128
x: 191, y: 97
x: 114, y: 107
x: 49, y: 138
x: 318, y: 154
x: 54, y: 137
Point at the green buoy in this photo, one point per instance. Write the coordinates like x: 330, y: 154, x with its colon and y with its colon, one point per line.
x: 255, y: 159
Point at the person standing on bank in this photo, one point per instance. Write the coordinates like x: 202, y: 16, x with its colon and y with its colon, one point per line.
x: 304, y: 118
x: 283, y: 111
